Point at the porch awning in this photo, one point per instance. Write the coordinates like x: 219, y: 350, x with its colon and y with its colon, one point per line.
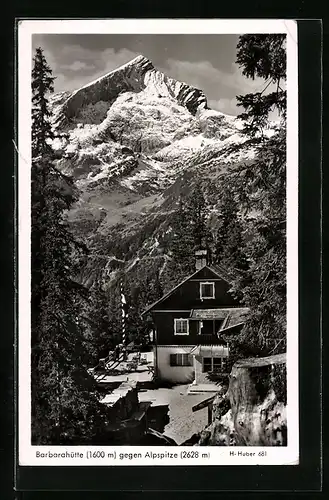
x: 210, y: 351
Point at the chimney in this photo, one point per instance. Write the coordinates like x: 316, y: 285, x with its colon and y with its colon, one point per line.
x: 201, y: 259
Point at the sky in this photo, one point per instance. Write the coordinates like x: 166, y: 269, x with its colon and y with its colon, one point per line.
x: 203, y: 61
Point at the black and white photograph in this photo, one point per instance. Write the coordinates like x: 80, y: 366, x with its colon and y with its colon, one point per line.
x: 157, y: 221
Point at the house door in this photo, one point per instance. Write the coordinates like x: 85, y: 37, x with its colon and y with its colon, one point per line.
x: 209, y: 326
x: 206, y: 327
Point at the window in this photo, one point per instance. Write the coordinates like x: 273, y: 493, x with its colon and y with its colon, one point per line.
x: 180, y: 359
x: 213, y: 364
x: 207, y: 290
x: 207, y: 364
x: 181, y: 327
x: 217, y: 364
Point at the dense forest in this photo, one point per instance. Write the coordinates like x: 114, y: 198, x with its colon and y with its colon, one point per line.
x: 76, y: 321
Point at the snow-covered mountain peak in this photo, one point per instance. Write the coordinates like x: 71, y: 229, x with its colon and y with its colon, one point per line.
x: 135, y: 76
x: 139, y: 65
x: 141, y: 128
x: 139, y: 61
x: 134, y: 140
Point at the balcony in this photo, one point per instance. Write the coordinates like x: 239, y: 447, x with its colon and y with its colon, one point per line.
x: 206, y: 338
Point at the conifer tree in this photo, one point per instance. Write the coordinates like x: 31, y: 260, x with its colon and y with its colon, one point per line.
x: 229, y: 241
x: 197, y: 212
x: 65, y: 405
x: 228, y: 209
x: 190, y: 231
x: 260, y: 189
x: 99, y: 337
x: 182, y: 242
x: 115, y: 312
x: 142, y: 287
x: 42, y: 85
x: 262, y: 56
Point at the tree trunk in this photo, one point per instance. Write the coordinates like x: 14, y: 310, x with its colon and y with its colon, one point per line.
x: 257, y: 414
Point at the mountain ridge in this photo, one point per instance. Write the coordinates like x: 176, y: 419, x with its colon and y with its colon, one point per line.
x: 133, y: 76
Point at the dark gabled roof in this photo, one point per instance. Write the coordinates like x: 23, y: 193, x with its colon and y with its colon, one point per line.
x: 221, y: 273
x: 236, y: 316
x: 229, y: 329
x: 228, y: 276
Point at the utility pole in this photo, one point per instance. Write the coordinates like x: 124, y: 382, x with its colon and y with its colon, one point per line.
x: 124, y: 314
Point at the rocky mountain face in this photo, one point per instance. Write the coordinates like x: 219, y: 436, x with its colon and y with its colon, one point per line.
x: 134, y: 140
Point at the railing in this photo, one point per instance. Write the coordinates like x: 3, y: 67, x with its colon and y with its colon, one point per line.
x: 206, y: 337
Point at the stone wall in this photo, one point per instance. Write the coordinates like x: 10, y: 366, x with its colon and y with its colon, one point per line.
x: 122, y: 402
x: 123, y: 406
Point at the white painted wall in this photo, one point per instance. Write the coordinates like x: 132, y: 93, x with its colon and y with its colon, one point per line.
x: 173, y: 374
x: 200, y: 377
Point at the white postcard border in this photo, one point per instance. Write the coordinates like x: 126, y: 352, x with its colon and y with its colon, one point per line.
x: 109, y: 455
